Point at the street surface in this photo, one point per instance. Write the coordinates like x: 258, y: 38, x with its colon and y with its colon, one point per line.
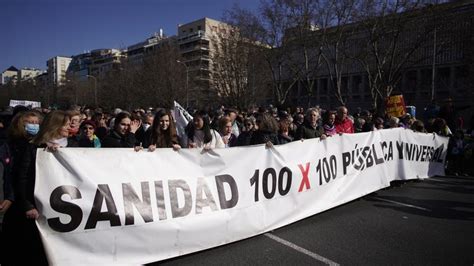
x: 429, y: 222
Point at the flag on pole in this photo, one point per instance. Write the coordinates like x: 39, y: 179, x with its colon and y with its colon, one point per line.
x: 182, y: 118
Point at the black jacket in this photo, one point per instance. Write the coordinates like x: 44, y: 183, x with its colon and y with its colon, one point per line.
x: 24, y: 182
x: 261, y: 137
x: 306, y: 131
x: 7, y: 162
x: 115, y: 140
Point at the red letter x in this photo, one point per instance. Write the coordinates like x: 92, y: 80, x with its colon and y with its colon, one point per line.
x: 305, y: 180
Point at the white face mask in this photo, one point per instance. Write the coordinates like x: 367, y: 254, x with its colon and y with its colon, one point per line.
x: 146, y: 126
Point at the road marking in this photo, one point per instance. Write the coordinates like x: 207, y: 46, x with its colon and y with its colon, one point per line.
x: 301, y: 250
x: 452, y: 182
x: 403, y: 204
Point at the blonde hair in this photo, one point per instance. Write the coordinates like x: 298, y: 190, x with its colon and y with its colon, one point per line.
x: 72, y: 113
x: 50, y: 127
x: 223, y: 123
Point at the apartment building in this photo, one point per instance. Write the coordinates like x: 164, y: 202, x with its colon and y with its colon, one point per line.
x: 104, y: 60
x: 9, y: 75
x: 79, y: 67
x: 14, y: 75
x: 57, y: 68
x: 136, y: 53
x: 197, y: 43
x: 29, y: 74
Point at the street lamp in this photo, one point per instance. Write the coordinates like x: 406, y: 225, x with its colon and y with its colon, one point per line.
x: 187, y: 82
x: 95, y: 89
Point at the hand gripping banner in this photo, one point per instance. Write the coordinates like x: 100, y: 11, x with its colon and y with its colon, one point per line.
x: 104, y: 206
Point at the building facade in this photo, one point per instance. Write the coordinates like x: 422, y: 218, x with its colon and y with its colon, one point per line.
x: 441, y: 68
x: 136, y: 53
x: 9, y: 75
x: 25, y: 74
x: 57, y: 68
x: 197, y: 43
x: 79, y: 67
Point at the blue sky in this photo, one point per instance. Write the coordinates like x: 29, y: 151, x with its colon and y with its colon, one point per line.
x: 35, y: 30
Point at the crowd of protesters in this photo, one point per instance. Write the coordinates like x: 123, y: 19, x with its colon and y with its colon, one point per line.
x: 145, y: 130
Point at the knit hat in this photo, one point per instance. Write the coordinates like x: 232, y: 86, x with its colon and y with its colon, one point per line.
x: 89, y: 122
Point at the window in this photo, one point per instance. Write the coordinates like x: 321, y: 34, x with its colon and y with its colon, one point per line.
x: 198, y: 27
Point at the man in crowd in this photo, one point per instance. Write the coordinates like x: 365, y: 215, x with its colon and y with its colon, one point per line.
x: 343, y: 123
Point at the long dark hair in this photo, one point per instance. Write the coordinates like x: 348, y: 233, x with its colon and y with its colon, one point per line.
x: 119, y: 117
x: 163, y: 138
x: 206, y: 128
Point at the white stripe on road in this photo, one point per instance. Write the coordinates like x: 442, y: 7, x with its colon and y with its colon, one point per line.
x: 301, y: 250
x: 403, y: 204
x: 444, y: 181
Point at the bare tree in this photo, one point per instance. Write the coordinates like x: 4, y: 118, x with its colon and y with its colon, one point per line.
x: 163, y: 79
x: 268, y: 28
x: 237, y: 72
x: 392, y: 35
x: 304, y: 41
x: 157, y: 81
x: 335, y: 32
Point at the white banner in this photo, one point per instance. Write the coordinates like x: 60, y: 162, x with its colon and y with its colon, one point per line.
x: 104, y: 206
x: 31, y: 104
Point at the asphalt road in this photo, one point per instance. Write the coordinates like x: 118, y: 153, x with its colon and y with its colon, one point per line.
x: 429, y: 222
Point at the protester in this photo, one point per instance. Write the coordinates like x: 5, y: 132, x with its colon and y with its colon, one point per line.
x: 87, y: 138
x: 418, y: 126
x: 225, y: 130
x: 359, y: 124
x: 232, y: 115
x: 328, y: 123
x: 379, y: 123
x: 162, y: 133
x: 200, y: 135
x: 19, y: 223
x: 143, y: 132
x: 23, y: 128
x: 456, y: 149
x: 75, y: 122
x: 393, y: 122
x: 250, y: 125
x: 310, y: 128
x: 369, y: 121
x: 101, y: 129
x: 123, y: 133
x: 343, y: 123
x: 284, y: 128
x: 441, y: 128
x: 266, y: 132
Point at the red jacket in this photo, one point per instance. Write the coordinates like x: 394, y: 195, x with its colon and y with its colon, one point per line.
x: 345, y: 126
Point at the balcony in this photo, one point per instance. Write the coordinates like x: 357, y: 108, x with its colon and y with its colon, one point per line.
x: 198, y: 35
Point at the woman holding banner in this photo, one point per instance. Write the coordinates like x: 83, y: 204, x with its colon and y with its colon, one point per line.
x: 19, y: 224
x: 162, y: 134
x: 200, y: 134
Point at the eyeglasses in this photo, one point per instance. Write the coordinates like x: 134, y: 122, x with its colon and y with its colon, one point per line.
x: 88, y: 128
x: 124, y: 124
